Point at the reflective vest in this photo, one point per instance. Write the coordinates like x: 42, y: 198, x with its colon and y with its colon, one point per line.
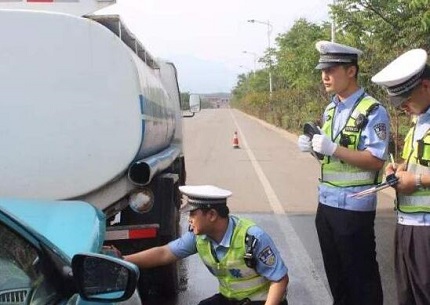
x: 417, y: 156
x: 336, y: 172
x: 236, y: 280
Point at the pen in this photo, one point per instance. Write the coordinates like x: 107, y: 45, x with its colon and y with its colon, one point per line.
x: 393, y: 163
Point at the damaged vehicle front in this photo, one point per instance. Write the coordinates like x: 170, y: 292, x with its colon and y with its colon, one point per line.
x: 51, y: 253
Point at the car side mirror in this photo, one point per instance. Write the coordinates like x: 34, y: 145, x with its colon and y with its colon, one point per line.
x: 103, y: 278
x: 195, y: 104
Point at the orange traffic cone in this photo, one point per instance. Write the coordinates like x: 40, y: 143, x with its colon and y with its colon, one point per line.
x: 235, y: 140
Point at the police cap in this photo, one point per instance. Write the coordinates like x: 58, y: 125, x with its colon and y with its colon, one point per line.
x: 403, y: 74
x: 334, y: 54
x: 203, y: 197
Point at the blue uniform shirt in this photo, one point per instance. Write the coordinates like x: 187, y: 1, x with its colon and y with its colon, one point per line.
x: 273, y: 270
x: 373, y: 138
x: 417, y: 219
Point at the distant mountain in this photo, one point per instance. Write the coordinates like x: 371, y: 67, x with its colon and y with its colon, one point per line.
x: 215, y: 100
x: 200, y: 75
x: 220, y: 95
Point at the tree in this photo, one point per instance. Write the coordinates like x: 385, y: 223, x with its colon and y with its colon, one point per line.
x: 297, y: 56
x: 424, y: 6
x: 384, y: 26
x: 383, y: 29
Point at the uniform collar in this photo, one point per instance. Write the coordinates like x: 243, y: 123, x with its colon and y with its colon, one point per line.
x: 350, y: 100
x: 225, y: 242
x: 423, y: 124
x: 425, y: 115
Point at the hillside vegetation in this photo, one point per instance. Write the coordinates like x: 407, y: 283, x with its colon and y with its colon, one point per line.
x: 382, y: 29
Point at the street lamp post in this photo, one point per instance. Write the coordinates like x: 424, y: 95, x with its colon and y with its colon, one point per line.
x: 244, y: 67
x: 333, y: 25
x: 255, y: 59
x: 247, y: 69
x: 269, y: 31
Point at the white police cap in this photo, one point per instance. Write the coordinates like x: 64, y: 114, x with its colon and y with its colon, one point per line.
x: 203, y: 197
x: 402, y: 75
x: 333, y: 54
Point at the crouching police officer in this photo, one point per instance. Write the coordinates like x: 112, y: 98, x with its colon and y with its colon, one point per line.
x: 241, y: 255
x: 407, y: 80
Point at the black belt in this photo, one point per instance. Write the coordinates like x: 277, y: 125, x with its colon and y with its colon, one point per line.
x: 219, y: 299
x: 249, y: 302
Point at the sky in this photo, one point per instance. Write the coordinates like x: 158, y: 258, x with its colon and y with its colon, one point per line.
x: 206, y: 40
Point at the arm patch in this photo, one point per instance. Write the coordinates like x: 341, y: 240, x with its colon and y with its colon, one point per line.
x: 267, y: 256
x: 380, y: 130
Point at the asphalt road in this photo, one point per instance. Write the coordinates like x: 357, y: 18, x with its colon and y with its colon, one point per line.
x: 274, y: 184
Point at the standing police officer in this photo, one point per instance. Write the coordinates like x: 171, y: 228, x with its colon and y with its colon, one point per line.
x: 407, y: 80
x: 354, y: 141
x: 241, y: 255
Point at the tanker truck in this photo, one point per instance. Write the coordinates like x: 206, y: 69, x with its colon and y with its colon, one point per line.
x: 89, y: 115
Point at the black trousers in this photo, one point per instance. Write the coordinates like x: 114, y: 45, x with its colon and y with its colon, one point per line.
x: 412, y: 264
x: 219, y: 299
x: 347, y: 241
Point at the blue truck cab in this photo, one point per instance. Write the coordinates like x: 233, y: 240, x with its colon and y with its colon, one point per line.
x: 51, y: 253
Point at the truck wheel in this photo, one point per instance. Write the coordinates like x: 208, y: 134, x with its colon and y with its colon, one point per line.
x: 168, y: 276
x: 168, y: 280
x: 159, y: 282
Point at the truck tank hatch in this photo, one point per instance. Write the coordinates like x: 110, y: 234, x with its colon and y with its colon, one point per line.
x: 114, y: 23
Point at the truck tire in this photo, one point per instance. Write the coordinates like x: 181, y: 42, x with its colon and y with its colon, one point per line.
x: 161, y: 281
x: 165, y: 279
x: 169, y: 275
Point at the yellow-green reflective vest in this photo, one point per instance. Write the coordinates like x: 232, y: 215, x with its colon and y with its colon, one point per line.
x: 417, y: 156
x: 334, y: 171
x: 236, y: 280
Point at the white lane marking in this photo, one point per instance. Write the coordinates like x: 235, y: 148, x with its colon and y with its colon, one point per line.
x: 270, y: 193
x: 302, y: 267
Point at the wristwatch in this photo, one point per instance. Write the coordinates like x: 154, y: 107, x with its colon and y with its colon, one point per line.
x: 419, y: 182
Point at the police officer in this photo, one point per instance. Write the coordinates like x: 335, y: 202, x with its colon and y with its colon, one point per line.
x: 407, y: 80
x: 242, y: 256
x: 353, y: 141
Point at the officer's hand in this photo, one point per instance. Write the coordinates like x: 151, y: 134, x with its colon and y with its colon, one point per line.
x: 406, y: 183
x: 394, y: 168
x: 323, y: 145
x: 390, y: 169
x: 304, y: 143
x: 111, y: 251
